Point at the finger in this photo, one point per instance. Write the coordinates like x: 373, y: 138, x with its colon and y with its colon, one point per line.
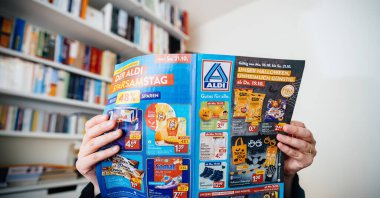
x: 293, y: 153
x: 95, y: 120
x: 297, y: 123
x: 98, y: 129
x: 296, y: 143
x: 299, y: 132
x: 85, y: 164
x: 96, y: 143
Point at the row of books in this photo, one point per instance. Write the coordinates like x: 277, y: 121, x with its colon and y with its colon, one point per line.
x: 169, y: 13
x: 28, y: 77
x: 78, y: 8
x: 162, y: 9
x: 24, y: 37
x: 14, y: 118
x: 30, y: 174
x: 146, y: 35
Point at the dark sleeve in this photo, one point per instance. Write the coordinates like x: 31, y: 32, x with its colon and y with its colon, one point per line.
x: 88, y: 192
x: 297, y: 191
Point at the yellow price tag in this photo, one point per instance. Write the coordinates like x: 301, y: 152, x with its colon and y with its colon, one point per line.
x: 183, y: 188
x: 128, y: 97
x: 135, y: 135
x: 183, y: 141
x: 260, y: 171
x: 183, y: 167
x: 242, y: 167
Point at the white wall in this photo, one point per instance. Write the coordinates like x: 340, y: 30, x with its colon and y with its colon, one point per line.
x: 339, y: 96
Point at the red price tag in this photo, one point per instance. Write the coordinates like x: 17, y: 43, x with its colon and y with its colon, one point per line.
x: 132, y: 144
x: 253, y: 128
x: 181, y: 148
x: 257, y: 178
x: 219, y: 184
x: 179, y: 194
x: 279, y: 128
x: 135, y: 184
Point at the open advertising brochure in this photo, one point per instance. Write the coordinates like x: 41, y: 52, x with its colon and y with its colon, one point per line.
x: 199, y: 125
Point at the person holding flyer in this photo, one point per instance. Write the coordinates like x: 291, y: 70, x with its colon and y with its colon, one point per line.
x: 299, y: 146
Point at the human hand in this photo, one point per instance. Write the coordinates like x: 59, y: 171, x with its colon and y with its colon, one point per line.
x: 89, y: 154
x: 299, y: 146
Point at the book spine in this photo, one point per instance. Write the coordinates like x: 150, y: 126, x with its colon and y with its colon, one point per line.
x: 115, y: 16
x: 45, y: 47
x: 81, y: 86
x: 93, y: 59
x: 6, y: 32
x: 27, y: 39
x: 87, y: 59
x: 83, y: 9
x: 19, y: 34
x: 107, y: 13
x: 26, y: 122
x: 41, y: 38
x: 71, y: 87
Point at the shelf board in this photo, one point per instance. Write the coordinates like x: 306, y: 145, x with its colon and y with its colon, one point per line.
x: 44, y: 135
x: 64, y: 101
x: 136, y: 8
x: 43, y: 185
x: 68, y: 68
x: 47, y: 16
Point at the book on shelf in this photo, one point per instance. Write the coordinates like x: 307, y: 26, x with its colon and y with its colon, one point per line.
x: 144, y: 34
x: 42, y: 80
x: 36, y: 41
x: 22, y: 175
x: 31, y: 174
x: 94, y: 18
x: 28, y: 120
x: 7, y: 25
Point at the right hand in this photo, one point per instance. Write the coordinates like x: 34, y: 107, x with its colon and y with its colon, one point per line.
x: 89, y: 154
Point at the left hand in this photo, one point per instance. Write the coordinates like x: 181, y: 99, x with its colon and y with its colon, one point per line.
x: 299, y: 146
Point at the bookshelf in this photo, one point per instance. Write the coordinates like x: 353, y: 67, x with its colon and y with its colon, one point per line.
x: 47, y: 16
x: 136, y: 8
x: 39, y: 186
x: 41, y: 148
x: 55, y: 100
x: 43, y: 135
x: 53, y: 64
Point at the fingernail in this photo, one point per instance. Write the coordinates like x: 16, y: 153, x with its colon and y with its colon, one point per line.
x: 286, y: 127
x: 109, y: 123
x: 116, y: 133
x: 115, y: 148
x: 105, y: 116
x: 280, y: 136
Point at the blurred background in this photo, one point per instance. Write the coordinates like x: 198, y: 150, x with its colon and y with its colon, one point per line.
x: 57, y: 58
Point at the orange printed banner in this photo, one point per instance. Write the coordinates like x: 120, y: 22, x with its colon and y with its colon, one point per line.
x: 128, y: 73
x: 144, y: 81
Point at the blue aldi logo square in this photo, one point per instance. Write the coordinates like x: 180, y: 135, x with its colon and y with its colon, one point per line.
x: 216, y: 75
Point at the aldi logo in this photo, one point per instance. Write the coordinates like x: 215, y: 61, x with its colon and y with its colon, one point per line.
x: 216, y: 75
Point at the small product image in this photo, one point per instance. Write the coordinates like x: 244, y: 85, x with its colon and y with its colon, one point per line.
x: 124, y: 170
x: 212, y: 175
x: 255, y: 160
x: 129, y: 120
x: 275, y: 110
x: 240, y: 102
x: 255, y: 107
x: 214, y: 115
x: 167, y: 128
x: 168, y: 176
x: 213, y: 146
